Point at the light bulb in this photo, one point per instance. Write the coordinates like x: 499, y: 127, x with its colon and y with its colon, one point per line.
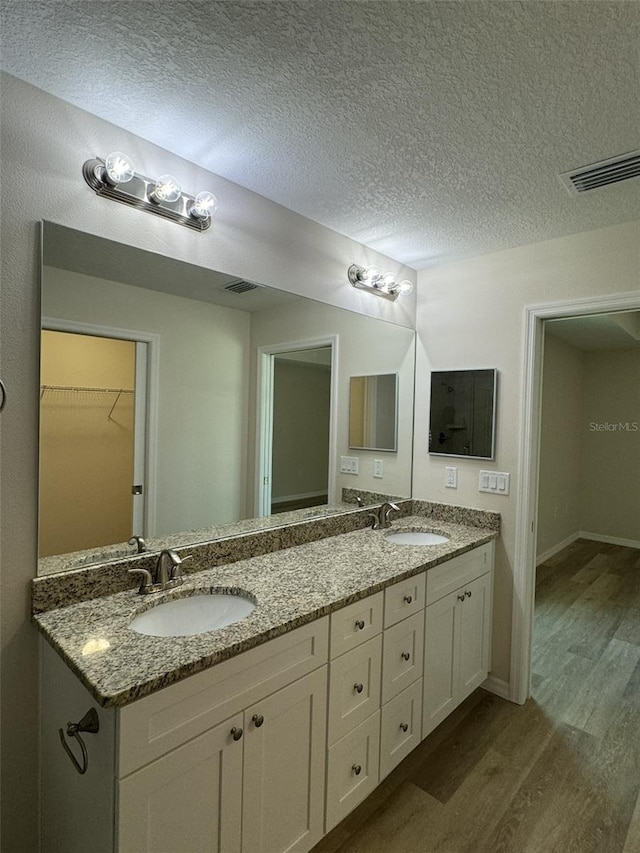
x: 405, y: 287
x: 370, y: 273
x: 118, y: 168
x: 166, y: 189
x: 388, y: 280
x: 204, y: 205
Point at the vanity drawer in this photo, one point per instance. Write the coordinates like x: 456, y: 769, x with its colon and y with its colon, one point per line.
x: 355, y: 624
x: 400, y: 727
x: 404, y: 599
x: 354, y: 687
x: 166, y: 719
x: 402, y: 655
x: 449, y: 576
x: 352, y: 769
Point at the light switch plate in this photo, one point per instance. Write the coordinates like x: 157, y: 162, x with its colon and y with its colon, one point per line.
x: 378, y: 468
x: 495, y: 482
x: 349, y: 465
x: 451, y: 477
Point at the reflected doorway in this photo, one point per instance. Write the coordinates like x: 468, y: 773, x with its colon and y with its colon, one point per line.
x: 92, y: 440
x: 296, y: 427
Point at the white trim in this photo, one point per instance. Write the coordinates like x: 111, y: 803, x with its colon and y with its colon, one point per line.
x: 610, y: 540
x: 264, y: 430
x: 300, y: 497
x: 555, y: 549
x: 529, y: 458
x: 497, y: 686
x: 153, y: 395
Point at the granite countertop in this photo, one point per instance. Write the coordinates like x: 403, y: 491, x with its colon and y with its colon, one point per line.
x: 291, y: 587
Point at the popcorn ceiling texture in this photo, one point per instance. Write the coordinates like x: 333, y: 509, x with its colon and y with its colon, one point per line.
x: 429, y: 131
x: 291, y: 587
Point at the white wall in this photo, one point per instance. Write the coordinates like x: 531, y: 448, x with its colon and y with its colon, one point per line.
x: 364, y: 347
x: 203, y: 378
x: 471, y: 314
x: 560, y: 444
x: 44, y: 144
x: 610, y: 481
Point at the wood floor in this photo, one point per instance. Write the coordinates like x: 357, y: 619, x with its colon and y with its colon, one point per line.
x: 560, y: 774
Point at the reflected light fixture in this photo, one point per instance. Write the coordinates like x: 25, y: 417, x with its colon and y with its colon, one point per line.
x: 384, y: 285
x: 115, y: 178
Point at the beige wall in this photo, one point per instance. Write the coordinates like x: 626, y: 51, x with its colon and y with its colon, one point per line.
x: 610, y: 481
x: 560, y: 444
x: 86, y: 442
x: 44, y: 144
x: 202, y: 403
x: 471, y: 314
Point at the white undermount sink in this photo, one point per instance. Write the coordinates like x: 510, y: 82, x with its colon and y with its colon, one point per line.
x: 197, y: 614
x: 416, y: 537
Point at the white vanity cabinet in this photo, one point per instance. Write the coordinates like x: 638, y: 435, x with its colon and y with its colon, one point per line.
x: 457, y: 632
x: 229, y: 760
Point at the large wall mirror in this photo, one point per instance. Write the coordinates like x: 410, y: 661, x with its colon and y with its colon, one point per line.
x: 462, y: 413
x: 177, y: 400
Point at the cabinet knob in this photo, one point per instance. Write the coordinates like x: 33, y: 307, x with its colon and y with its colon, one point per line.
x: 257, y: 720
x: 236, y: 733
x: 468, y: 593
x: 406, y: 656
x: 461, y: 597
x: 357, y: 769
x: 408, y: 599
x: 358, y: 687
x: 404, y: 727
x: 359, y: 624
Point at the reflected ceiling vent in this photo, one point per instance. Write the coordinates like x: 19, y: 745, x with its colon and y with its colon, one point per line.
x: 601, y: 174
x: 240, y: 285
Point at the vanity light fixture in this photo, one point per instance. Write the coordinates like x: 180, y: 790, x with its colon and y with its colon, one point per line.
x: 115, y: 178
x: 384, y: 285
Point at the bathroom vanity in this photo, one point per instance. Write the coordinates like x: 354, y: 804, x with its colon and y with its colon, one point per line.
x: 357, y: 648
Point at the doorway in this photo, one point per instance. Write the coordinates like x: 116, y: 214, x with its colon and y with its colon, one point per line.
x: 93, y: 418
x: 296, y: 432
x: 526, y: 522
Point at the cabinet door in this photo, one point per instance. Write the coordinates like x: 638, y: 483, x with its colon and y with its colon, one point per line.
x: 475, y: 623
x: 442, y: 625
x: 189, y: 800
x: 284, y: 762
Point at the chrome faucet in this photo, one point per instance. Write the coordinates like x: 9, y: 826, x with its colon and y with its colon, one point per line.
x: 381, y: 516
x: 167, y: 573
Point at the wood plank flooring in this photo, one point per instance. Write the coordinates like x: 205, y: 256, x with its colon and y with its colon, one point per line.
x: 560, y: 774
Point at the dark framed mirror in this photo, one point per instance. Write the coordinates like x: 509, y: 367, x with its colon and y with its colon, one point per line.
x: 463, y: 413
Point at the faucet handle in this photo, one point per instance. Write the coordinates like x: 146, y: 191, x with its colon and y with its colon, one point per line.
x: 139, y: 542
x: 146, y: 584
x: 176, y: 564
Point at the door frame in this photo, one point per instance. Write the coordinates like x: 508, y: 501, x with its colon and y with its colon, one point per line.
x: 264, y: 420
x: 528, y: 468
x: 152, y: 341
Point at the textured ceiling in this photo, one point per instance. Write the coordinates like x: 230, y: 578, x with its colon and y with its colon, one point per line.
x: 428, y: 130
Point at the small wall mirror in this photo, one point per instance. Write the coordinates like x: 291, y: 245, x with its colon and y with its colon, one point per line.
x: 373, y: 412
x: 462, y: 415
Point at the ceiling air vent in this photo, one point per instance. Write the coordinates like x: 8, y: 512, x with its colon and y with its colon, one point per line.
x: 602, y: 174
x: 241, y: 286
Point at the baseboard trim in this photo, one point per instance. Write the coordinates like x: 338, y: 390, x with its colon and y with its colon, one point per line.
x: 498, y: 687
x: 551, y: 552
x: 610, y: 540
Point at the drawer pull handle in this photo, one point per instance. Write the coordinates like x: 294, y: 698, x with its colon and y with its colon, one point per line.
x: 406, y: 656
x: 468, y: 593
x: 257, y: 720
x: 359, y: 624
x: 357, y: 769
x: 408, y: 599
x: 358, y: 688
x: 404, y: 727
x: 236, y: 733
x: 461, y: 597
